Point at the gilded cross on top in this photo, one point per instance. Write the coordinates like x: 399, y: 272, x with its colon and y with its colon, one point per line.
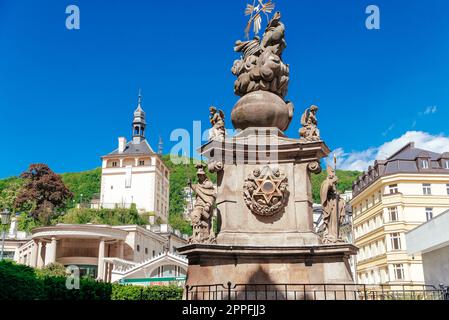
x: 255, y: 12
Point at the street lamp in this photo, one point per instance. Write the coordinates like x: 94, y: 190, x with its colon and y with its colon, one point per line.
x: 5, y: 217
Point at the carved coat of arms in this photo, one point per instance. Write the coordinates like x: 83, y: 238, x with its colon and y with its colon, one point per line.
x: 265, y: 191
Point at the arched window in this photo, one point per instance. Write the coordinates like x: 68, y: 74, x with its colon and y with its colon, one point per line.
x: 136, y: 130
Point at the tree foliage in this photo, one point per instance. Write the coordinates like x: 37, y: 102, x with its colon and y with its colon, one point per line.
x: 9, y: 190
x: 86, y: 183
x: 113, y: 217
x: 345, y: 179
x: 42, y: 193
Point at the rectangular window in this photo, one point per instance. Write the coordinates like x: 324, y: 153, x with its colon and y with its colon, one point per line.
x: 398, y: 271
x: 426, y: 189
x: 146, y: 250
x: 393, y: 214
x: 393, y: 188
x: 138, y: 248
x: 395, y: 241
x: 141, y: 162
x: 429, y: 214
x: 128, y: 176
x: 425, y: 164
x: 114, y: 164
x: 447, y: 189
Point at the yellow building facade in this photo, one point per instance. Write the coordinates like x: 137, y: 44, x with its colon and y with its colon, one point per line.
x: 393, y: 197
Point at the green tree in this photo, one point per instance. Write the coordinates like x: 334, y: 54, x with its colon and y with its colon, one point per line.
x: 9, y: 193
x: 112, y: 217
x: 86, y: 183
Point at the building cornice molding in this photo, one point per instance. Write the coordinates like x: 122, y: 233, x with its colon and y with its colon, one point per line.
x: 79, y: 231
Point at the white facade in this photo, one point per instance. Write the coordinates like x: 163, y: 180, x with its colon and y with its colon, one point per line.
x: 142, y: 180
x: 109, y: 253
x: 135, y: 174
x: 404, y: 203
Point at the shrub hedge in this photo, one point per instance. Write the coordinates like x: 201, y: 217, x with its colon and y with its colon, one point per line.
x: 19, y: 282
x: 122, y: 292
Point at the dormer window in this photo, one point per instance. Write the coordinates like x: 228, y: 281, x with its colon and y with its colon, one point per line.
x: 446, y: 164
x: 425, y: 164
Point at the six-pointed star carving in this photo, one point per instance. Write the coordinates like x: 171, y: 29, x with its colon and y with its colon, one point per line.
x: 268, y: 183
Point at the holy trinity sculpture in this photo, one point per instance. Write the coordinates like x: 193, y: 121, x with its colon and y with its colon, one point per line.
x: 201, y: 215
x: 261, y: 66
x: 333, y: 208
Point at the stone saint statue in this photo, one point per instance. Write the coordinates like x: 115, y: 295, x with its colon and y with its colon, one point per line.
x: 309, y: 131
x: 201, y: 215
x: 218, y: 130
x: 332, y: 217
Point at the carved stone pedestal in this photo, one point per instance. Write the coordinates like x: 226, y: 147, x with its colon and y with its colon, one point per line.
x: 264, y: 190
x: 265, y: 216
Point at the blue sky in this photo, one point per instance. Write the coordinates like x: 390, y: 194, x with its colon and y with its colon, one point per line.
x: 66, y: 95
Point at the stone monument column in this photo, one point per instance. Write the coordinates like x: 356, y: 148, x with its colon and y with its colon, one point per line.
x: 264, y: 190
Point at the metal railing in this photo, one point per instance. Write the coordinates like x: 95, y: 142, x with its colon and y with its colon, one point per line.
x: 329, y: 291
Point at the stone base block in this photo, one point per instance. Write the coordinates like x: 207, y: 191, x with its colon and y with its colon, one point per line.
x: 263, y: 266
x: 293, y: 238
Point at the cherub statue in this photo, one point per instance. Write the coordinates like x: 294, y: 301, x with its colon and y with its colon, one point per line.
x: 218, y: 130
x: 309, y: 131
x: 333, y: 208
x: 201, y: 215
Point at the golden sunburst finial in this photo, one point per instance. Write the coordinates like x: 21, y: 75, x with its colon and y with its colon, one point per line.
x: 254, y: 11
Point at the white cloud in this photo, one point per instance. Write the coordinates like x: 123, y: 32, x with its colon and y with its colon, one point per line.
x: 360, y: 160
x: 391, y: 127
x: 431, y: 110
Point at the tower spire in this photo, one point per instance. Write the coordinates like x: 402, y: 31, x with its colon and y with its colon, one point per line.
x: 139, y: 101
x: 139, y: 122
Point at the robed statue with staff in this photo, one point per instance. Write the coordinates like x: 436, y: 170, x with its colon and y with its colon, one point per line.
x: 333, y: 208
x: 203, y: 209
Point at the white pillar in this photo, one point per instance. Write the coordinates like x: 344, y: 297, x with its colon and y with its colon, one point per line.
x: 53, y: 250
x: 50, y: 251
x: 101, y: 250
x: 33, y: 259
x: 40, y: 260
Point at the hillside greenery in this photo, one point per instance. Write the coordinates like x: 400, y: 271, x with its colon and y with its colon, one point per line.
x: 88, y: 184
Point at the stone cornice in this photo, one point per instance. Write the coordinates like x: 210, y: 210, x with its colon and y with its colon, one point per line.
x: 79, y: 231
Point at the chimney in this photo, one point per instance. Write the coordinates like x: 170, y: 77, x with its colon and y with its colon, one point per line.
x: 121, y: 144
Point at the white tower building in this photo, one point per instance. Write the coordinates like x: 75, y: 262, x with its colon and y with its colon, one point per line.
x: 134, y: 174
